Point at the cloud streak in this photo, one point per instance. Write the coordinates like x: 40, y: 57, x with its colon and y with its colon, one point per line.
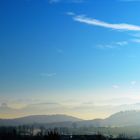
x: 48, y: 74
x: 130, y: 0
x: 115, y: 86
x: 66, y: 1
x: 136, y: 40
x: 113, y: 45
x: 96, y: 22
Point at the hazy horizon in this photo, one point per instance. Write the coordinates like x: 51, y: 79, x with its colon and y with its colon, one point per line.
x: 73, y: 57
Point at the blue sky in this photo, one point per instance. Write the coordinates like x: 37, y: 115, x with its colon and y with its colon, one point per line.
x: 69, y: 52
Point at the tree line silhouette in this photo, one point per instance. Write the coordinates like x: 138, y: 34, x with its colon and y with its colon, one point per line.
x: 30, y: 133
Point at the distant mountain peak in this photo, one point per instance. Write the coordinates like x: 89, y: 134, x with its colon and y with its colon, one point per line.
x: 126, y: 112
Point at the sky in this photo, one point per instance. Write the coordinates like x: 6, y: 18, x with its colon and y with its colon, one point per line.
x: 74, y: 57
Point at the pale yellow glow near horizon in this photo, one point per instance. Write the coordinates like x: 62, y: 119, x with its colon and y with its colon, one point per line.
x: 91, y: 100
x: 88, y: 116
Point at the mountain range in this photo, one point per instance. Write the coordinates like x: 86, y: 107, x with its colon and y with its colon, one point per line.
x: 120, y: 119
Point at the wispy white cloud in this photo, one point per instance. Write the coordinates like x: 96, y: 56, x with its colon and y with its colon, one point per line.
x: 113, y: 45
x: 96, y: 22
x: 129, y: 0
x: 77, y: 1
x: 60, y: 51
x: 54, y: 1
x: 122, y: 43
x: 66, y: 1
x: 135, y: 35
x: 48, y: 74
x: 115, y: 86
x: 136, y: 40
x: 70, y: 13
x: 133, y: 82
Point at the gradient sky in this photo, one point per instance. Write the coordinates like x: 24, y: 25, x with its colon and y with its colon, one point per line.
x: 80, y: 55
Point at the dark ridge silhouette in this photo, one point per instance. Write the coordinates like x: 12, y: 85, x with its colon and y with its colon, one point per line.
x: 120, y: 119
x: 38, y: 119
